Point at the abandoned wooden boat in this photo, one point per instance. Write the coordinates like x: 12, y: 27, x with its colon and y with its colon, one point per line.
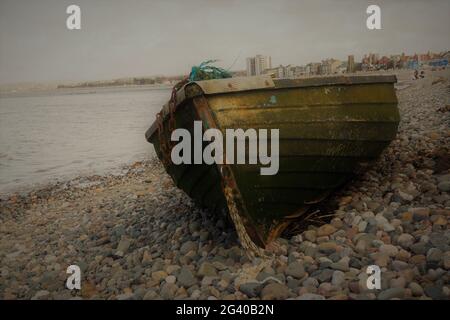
x: 328, y: 128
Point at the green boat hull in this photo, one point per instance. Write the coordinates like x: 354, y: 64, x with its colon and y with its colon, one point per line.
x: 329, y: 128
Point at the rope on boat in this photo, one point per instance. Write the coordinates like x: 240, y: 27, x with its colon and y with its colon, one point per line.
x: 206, y: 71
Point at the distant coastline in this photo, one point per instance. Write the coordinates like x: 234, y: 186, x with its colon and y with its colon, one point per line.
x: 158, y: 81
x: 133, y: 81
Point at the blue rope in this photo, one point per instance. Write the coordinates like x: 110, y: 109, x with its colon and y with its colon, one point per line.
x: 206, y: 71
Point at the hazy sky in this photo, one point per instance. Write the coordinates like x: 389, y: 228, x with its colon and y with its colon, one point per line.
x: 149, y: 37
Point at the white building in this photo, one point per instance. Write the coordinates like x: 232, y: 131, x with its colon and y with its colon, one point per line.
x: 251, y: 67
x: 256, y: 65
x: 287, y: 72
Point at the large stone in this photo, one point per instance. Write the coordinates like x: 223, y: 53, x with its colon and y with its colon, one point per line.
x: 388, y: 249
x: 275, y: 291
x: 324, y: 275
x: 419, y: 248
x: 168, y: 291
x: 41, y: 295
x: 362, y: 226
x: 251, y: 289
x: 381, y: 259
x: 310, y: 235
x: 416, y: 289
x: 399, y: 282
x: 146, y: 258
x: 172, y: 268
x: 186, y: 277
x: 327, y: 247
x: 150, y: 295
x: 420, y: 214
x: 171, y: 279
x: 444, y: 186
x: 418, y: 259
x: 325, y: 262
x: 207, y: 269
x: 123, y: 246
x: 337, y: 223
x: 188, y: 246
x: 338, y: 278
x: 118, y: 230
x: 445, y: 177
x: 296, y: 270
x: 326, y: 230
x: 435, y: 292
x: 126, y: 296
x: 388, y: 227
x: 381, y: 220
x: 404, y: 197
x: 361, y: 246
x: 405, y: 240
x: 310, y: 282
x: 440, y: 241
x: 434, y: 255
x: 342, y: 264
x: 311, y: 296
x: 406, y: 217
x: 392, y: 293
x: 398, y: 265
x: 446, y: 260
x: 158, y: 276
x: 194, y: 226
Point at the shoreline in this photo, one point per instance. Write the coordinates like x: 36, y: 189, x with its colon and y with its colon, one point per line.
x: 71, y: 180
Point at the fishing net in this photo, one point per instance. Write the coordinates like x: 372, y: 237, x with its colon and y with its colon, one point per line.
x: 206, y: 71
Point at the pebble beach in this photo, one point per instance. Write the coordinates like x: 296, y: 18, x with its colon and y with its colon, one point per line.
x: 136, y: 236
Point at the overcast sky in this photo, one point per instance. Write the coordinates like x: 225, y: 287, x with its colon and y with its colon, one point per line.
x: 149, y: 37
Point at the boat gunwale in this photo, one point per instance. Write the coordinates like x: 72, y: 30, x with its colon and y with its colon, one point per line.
x: 196, y: 88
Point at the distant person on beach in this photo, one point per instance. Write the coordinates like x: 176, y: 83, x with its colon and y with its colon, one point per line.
x: 422, y: 74
x: 416, y: 74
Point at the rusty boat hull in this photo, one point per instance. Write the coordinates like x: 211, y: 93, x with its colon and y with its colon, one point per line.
x: 329, y: 127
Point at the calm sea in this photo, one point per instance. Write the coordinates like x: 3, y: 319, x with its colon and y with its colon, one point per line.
x: 61, y: 134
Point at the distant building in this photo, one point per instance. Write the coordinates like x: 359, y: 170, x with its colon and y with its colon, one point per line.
x: 384, y: 63
x: 272, y: 72
x: 280, y: 72
x: 313, y: 68
x: 256, y: 65
x: 412, y: 64
x: 438, y: 62
x: 446, y: 55
x: 351, y: 64
x: 287, y: 72
x: 370, y: 62
x: 373, y: 58
x: 396, y: 61
x: 262, y: 63
x: 329, y: 66
x: 251, y: 70
x: 342, y: 68
x: 425, y: 57
x: 297, y: 71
